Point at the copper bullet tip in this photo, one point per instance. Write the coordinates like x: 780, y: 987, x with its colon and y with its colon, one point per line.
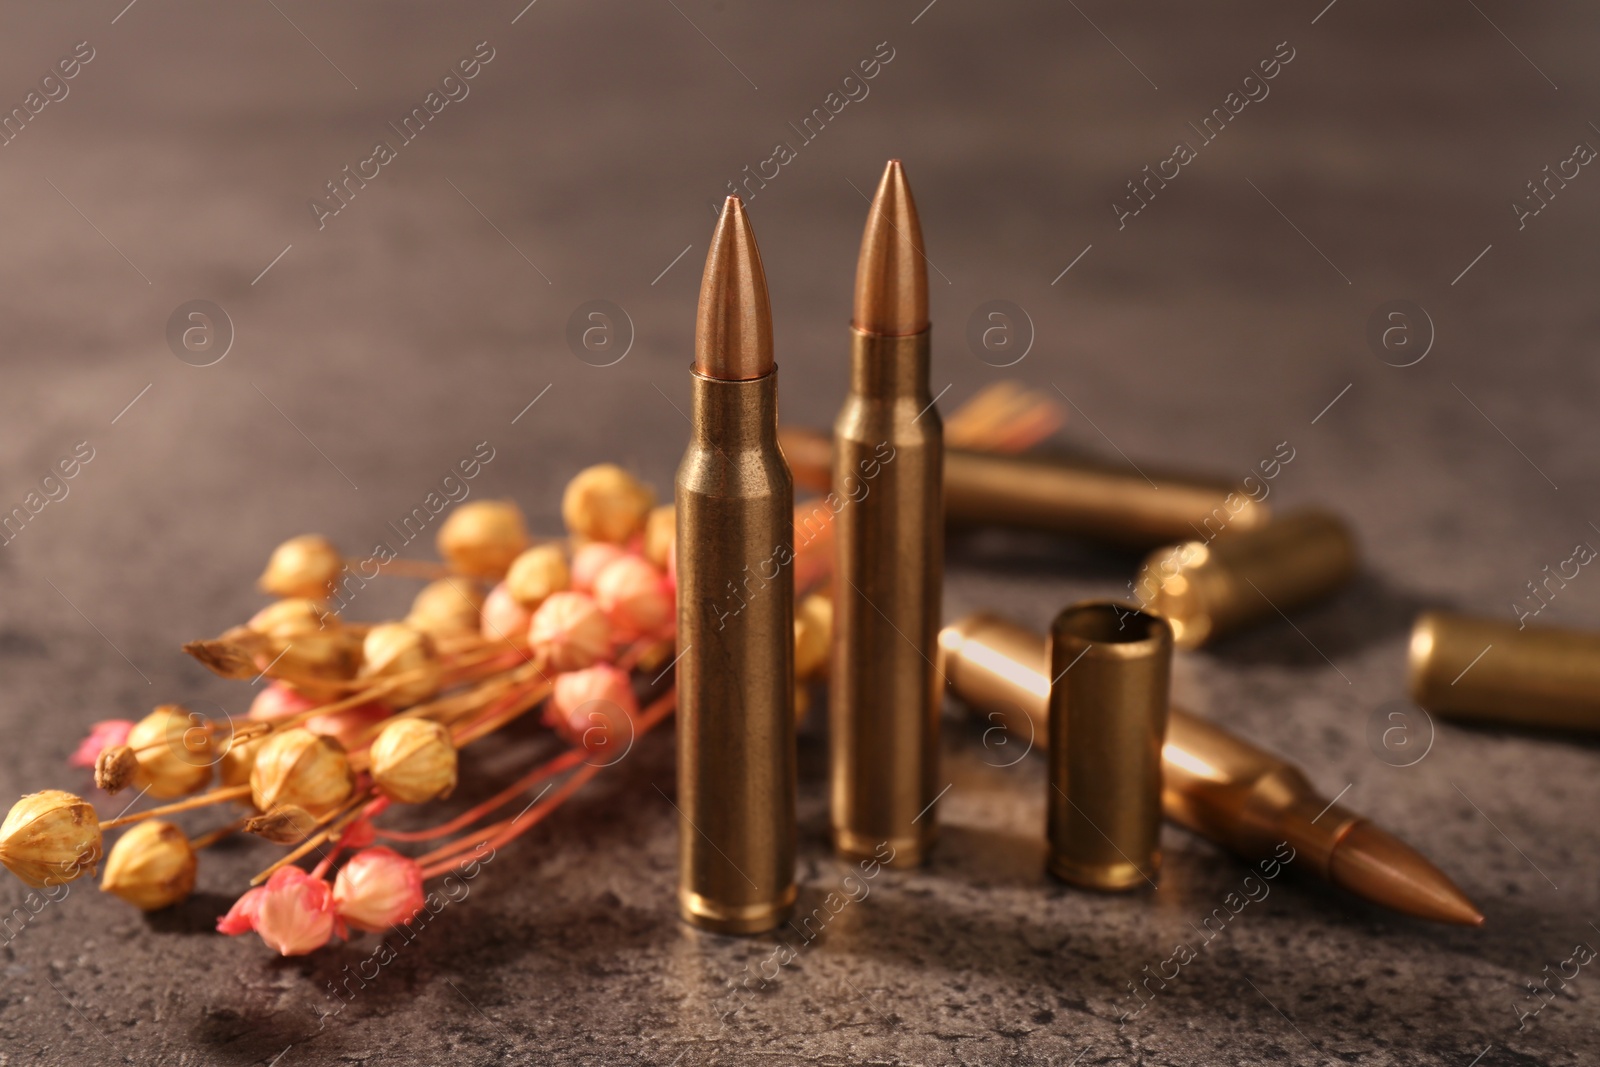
x: 1375, y: 864
x: 733, y: 329
x: 892, y: 273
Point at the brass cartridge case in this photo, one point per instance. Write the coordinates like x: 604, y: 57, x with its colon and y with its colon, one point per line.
x: 1062, y: 494
x: 1487, y: 670
x: 1206, y: 589
x: 889, y: 563
x: 1217, y: 785
x: 1101, y: 502
x: 1112, y: 669
x: 736, y: 742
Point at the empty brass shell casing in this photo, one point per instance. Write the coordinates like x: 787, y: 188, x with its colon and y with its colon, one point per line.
x: 1484, y: 669
x: 1210, y: 588
x: 889, y: 562
x: 735, y: 675
x: 1112, y: 665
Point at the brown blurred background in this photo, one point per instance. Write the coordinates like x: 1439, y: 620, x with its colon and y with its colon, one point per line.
x: 370, y: 353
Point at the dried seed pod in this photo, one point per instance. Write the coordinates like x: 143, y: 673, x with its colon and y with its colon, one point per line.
x: 635, y: 598
x: 446, y: 608
x: 392, y: 649
x: 285, y: 825
x: 377, y: 889
x: 606, y: 503
x: 536, y: 574
x: 115, y: 768
x: 238, y: 758
x: 813, y: 633
x: 299, y: 768
x: 292, y: 617
x: 175, y: 751
x: 660, y: 534
x: 50, y: 838
x: 590, y: 560
x: 570, y: 630
x: 483, y: 537
x: 305, y: 566
x: 151, y: 866
x: 503, y: 616
x: 413, y: 761
x: 594, y: 707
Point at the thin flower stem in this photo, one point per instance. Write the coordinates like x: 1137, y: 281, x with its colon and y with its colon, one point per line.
x: 216, y: 796
x: 339, y: 818
x: 206, y: 840
x: 512, y: 706
x: 554, y: 766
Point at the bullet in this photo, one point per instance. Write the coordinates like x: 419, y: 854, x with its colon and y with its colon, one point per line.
x: 1214, y: 784
x: 1112, y: 670
x: 734, y: 514
x: 1214, y: 587
x: 888, y: 551
x: 1491, y: 671
x: 1057, y: 494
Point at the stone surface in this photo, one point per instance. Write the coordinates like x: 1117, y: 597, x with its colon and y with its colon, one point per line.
x: 1229, y: 315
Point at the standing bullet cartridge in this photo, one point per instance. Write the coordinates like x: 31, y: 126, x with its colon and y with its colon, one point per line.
x: 1214, y: 783
x: 1206, y: 589
x: 888, y: 551
x: 1491, y: 671
x: 1112, y: 665
x: 1065, y: 495
x: 735, y: 515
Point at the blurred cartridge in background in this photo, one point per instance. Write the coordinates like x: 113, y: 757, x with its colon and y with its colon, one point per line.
x: 1209, y: 588
x: 1492, y: 671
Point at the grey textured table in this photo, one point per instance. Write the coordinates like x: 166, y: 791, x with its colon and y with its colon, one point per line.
x: 1228, y: 315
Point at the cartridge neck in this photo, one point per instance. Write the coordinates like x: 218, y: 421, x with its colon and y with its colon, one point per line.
x: 884, y: 367
x: 735, y: 416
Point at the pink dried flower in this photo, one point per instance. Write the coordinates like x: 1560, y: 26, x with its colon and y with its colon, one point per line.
x: 635, y: 598
x: 571, y: 631
x: 377, y: 889
x: 593, y: 707
x: 503, y: 616
x: 102, y: 735
x: 294, y: 915
x: 590, y: 560
x: 349, y: 727
x: 241, y: 918
x: 279, y: 701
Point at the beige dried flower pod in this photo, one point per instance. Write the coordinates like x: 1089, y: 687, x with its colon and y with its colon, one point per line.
x: 292, y: 617
x: 392, y: 649
x: 302, y: 566
x: 175, y: 750
x: 414, y: 761
x: 483, y: 537
x: 50, y: 838
x: 570, y: 631
x: 239, y: 758
x: 314, y: 663
x: 606, y: 503
x: 448, y: 607
x: 114, y: 768
x: 151, y: 866
x: 660, y: 534
x: 285, y: 825
x: 299, y: 768
x: 813, y: 632
x: 536, y: 574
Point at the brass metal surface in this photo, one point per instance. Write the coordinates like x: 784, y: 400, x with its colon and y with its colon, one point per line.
x: 1209, y: 588
x: 1061, y: 494
x: 1464, y: 667
x: 889, y: 563
x: 1112, y: 671
x: 891, y: 296
x: 1216, y: 784
x: 735, y: 672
